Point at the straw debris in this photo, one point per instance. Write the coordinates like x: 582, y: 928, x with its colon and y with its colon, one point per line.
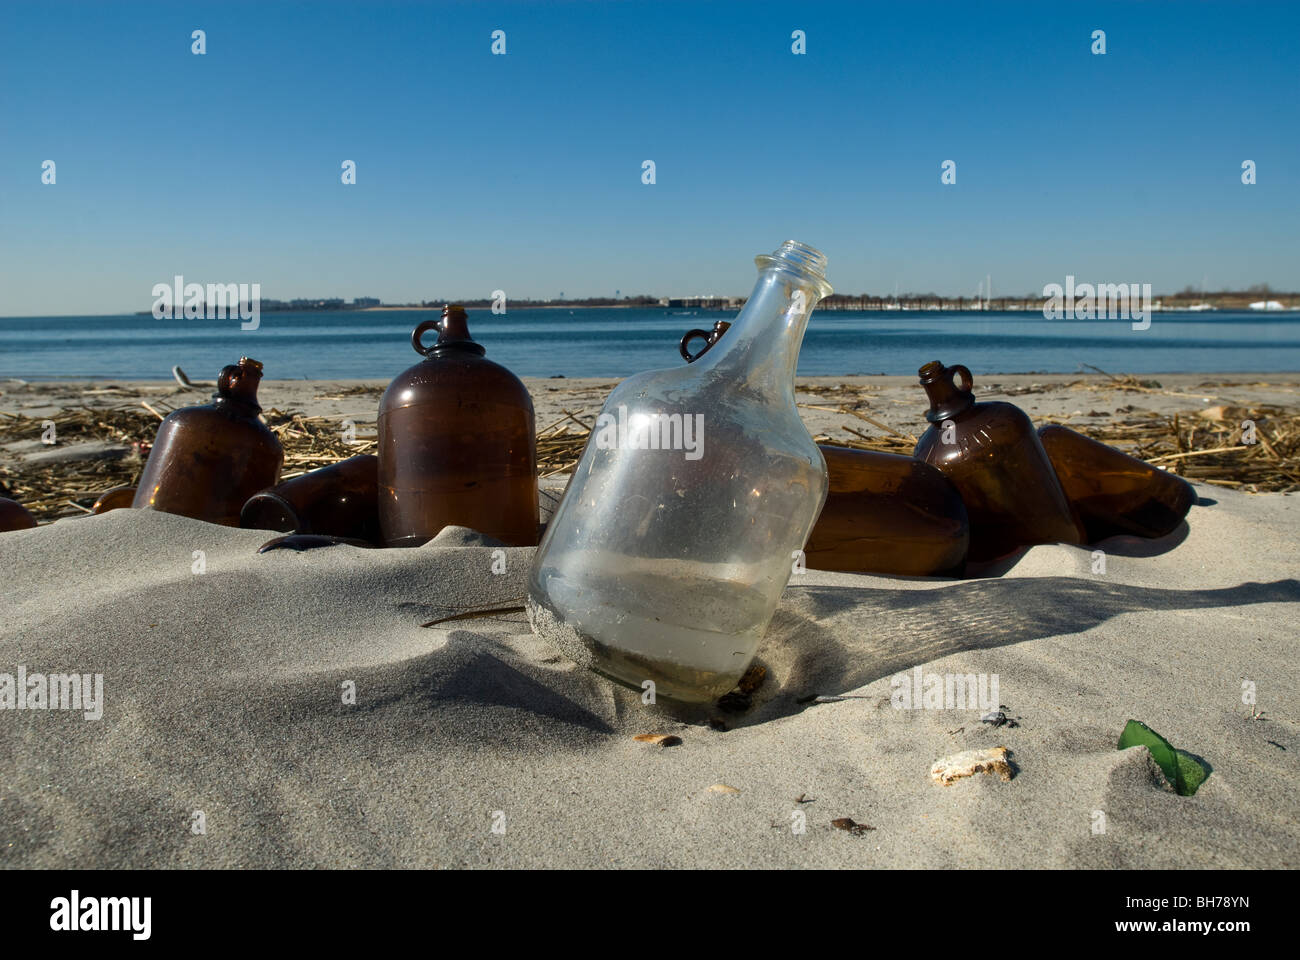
x: 1208, y: 445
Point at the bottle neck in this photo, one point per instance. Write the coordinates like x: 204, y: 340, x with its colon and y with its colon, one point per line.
x: 237, y: 388
x: 949, y: 389
x: 761, y: 348
x: 235, y: 407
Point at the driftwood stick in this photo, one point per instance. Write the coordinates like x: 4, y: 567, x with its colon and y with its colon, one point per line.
x: 471, y: 614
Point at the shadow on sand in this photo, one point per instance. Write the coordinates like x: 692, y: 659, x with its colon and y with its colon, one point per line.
x: 805, y: 655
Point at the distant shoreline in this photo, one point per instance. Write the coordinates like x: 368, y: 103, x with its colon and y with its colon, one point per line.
x: 1182, y: 378
x: 1220, y: 303
x: 526, y: 306
x: 1289, y: 305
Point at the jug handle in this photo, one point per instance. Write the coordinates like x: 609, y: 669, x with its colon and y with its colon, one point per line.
x: 958, y: 370
x: 420, y: 331
x: 705, y: 335
x: 226, y: 381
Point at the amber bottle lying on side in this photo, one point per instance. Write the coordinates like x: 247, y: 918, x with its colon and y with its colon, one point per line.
x: 887, y: 514
x: 1113, y: 492
x: 341, y: 500
x: 208, y: 460
x: 456, y: 444
x: 14, y: 516
x: 115, y: 498
x: 992, y: 454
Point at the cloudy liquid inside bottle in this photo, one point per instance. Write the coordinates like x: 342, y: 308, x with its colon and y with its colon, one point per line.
x: 694, y: 637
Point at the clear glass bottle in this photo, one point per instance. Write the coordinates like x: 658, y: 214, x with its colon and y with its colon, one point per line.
x: 675, y: 538
x: 883, y: 513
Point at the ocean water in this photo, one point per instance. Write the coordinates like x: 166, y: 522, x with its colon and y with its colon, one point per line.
x: 599, y: 342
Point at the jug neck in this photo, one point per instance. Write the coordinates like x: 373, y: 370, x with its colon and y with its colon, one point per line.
x: 761, y: 347
x: 947, y: 399
x: 453, y: 335
x: 237, y: 387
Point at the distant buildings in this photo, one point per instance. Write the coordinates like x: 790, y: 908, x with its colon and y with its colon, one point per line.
x: 706, y: 303
x: 332, y: 303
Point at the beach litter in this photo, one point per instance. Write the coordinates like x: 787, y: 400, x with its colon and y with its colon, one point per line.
x: 456, y: 444
x: 829, y: 698
x: 734, y: 702
x: 998, y: 719
x: 991, y: 453
x: 1206, y: 450
x: 625, y: 591
x: 851, y: 826
x: 949, y: 770
x: 207, y: 460
x: 310, y: 541
x: 1184, y: 772
x: 752, y: 680
x: 741, y: 698
x: 659, y: 739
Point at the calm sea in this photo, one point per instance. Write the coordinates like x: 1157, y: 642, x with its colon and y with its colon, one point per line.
x: 618, y: 342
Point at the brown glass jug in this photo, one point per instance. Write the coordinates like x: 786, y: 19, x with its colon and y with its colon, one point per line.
x: 115, y: 498
x: 887, y: 513
x: 1112, y: 492
x: 992, y: 455
x: 456, y: 444
x: 208, y: 460
x: 14, y: 516
x: 341, y: 500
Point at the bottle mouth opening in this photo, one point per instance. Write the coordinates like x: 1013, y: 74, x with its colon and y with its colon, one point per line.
x: 930, y: 372
x: 803, y: 259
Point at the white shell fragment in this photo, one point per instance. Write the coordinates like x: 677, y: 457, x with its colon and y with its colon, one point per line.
x: 970, y: 762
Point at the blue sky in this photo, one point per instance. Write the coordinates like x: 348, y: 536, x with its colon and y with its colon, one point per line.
x: 523, y: 172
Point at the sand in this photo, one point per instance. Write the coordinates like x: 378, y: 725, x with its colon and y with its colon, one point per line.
x: 224, y: 693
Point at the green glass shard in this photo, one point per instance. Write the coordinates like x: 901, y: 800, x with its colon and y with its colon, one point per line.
x: 1181, y: 769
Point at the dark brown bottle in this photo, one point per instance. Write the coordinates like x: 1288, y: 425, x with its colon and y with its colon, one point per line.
x: 456, y: 444
x: 887, y: 513
x: 14, y: 516
x: 992, y: 455
x: 1112, y: 492
x: 208, y: 460
x: 341, y: 500
x: 114, y: 499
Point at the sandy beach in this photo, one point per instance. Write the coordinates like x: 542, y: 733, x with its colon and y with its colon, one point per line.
x: 292, y: 704
x: 897, y: 400
x: 595, y: 438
